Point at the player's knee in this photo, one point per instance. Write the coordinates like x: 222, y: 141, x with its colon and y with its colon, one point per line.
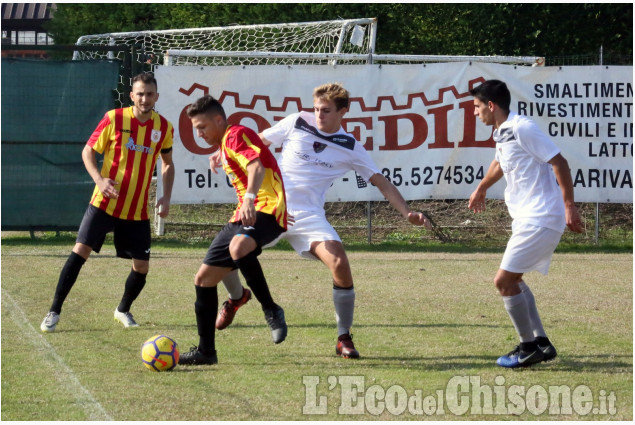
x: 82, y: 250
x: 505, y: 287
x: 340, y: 265
x: 240, y: 246
x: 141, y: 267
x: 199, y: 279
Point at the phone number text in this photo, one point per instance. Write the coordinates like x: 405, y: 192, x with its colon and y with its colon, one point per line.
x: 421, y: 176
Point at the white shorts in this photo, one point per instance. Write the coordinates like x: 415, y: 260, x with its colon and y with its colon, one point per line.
x: 530, y: 248
x: 308, y: 227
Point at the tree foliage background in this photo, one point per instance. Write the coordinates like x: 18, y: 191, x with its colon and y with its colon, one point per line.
x: 529, y: 29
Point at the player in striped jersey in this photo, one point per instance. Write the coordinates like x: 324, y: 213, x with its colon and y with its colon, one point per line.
x: 260, y: 218
x: 130, y: 139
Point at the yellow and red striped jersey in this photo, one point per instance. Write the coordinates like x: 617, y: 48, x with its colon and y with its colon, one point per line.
x: 130, y: 150
x: 240, y: 146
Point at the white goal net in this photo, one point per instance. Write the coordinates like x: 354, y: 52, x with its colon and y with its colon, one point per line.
x: 339, y: 36
x: 352, y: 36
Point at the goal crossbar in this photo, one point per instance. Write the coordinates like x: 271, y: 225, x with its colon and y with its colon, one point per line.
x: 370, y: 57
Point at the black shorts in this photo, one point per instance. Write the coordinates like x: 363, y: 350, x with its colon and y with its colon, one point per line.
x: 263, y: 232
x: 131, y: 237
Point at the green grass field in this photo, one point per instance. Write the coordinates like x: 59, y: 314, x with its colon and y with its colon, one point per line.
x: 429, y: 327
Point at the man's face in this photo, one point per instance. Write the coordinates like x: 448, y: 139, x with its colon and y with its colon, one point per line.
x: 483, y: 110
x: 329, y: 119
x: 210, y: 128
x: 144, y: 96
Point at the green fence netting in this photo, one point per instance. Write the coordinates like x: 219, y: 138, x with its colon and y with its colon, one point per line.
x: 49, y: 110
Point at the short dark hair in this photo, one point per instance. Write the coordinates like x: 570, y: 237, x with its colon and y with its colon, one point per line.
x: 206, y: 105
x: 494, y: 91
x: 145, y: 77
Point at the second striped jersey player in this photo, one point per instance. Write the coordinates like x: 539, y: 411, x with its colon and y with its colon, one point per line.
x: 131, y: 139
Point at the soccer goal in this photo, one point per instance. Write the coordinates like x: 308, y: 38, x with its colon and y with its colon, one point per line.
x: 337, y: 36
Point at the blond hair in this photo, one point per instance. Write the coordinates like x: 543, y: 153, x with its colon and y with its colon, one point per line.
x: 334, y: 92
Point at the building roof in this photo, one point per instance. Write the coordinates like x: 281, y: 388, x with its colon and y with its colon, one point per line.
x: 19, y: 16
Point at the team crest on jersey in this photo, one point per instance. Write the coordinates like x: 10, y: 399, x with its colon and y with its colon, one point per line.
x: 319, y: 147
x: 155, y: 136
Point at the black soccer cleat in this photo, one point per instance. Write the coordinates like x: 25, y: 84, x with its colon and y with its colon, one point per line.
x: 277, y: 324
x: 548, y: 350
x: 519, y: 358
x: 196, y: 357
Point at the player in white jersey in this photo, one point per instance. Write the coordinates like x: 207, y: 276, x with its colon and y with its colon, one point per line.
x: 539, y: 197
x: 315, y: 151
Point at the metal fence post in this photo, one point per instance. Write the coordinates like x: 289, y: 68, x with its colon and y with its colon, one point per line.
x: 597, y: 204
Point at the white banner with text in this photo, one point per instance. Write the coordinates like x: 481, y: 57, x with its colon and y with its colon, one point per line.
x: 417, y: 122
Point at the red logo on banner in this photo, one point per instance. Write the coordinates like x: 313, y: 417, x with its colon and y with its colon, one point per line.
x: 436, y: 113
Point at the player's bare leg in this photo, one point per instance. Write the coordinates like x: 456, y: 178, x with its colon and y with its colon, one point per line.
x: 332, y: 254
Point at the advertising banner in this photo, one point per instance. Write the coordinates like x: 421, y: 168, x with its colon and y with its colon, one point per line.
x: 417, y: 122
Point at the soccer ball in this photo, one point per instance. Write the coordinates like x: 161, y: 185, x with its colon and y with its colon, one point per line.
x: 160, y: 353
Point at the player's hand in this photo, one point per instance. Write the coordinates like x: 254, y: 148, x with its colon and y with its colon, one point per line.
x: 477, y: 201
x: 290, y: 220
x: 419, y: 219
x: 215, y: 161
x: 107, y: 188
x: 163, y: 207
x: 574, y: 221
x: 248, y: 212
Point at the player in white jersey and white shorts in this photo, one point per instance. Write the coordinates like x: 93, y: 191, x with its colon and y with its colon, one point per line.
x: 539, y: 197
x: 315, y: 151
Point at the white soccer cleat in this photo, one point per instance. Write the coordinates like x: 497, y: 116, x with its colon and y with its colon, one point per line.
x: 126, y: 319
x: 49, y: 322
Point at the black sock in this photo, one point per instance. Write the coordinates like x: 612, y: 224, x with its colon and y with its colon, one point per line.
x: 134, y: 285
x: 67, y: 279
x: 542, y: 340
x: 254, y: 277
x: 206, y: 307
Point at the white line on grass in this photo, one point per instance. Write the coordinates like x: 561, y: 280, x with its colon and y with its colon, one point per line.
x: 61, y: 371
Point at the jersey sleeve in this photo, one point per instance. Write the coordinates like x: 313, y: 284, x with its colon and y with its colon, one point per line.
x: 362, y: 163
x: 278, y: 133
x: 102, y: 134
x: 169, y: 139
x: 535, y: 142
x: 244, y: 143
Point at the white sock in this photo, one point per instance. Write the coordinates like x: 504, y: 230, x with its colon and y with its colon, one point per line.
x: 344, y: 301
x: 516, y: 307
x: 536, y: 323
x: 233, y: 286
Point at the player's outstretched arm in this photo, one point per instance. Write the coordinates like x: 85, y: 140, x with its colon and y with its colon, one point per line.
x: 392, y: 194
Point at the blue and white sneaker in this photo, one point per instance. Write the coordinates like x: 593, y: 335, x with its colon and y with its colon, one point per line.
x: 520, y: 358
